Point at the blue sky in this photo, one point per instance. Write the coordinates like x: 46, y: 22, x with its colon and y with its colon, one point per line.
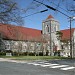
x: 35, y: 21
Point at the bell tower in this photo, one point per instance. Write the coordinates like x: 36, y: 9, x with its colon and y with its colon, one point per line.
x: 49, y: 28
x: 50, y: 25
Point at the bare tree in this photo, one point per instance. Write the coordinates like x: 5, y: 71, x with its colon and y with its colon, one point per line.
x: 9, y: 12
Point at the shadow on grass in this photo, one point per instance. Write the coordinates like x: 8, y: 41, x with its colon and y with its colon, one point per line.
x: 34, y: 57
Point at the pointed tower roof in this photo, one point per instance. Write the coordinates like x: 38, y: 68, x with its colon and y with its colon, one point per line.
x: 50, y: 16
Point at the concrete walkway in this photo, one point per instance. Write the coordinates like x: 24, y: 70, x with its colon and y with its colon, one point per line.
x: 9, y: 60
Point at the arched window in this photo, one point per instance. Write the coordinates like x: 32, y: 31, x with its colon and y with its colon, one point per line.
x: 7, y: 45
x: 55, y: 28
x: 47, y: 28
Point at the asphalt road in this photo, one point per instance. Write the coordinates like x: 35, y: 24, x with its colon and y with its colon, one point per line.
x: 33, y: 68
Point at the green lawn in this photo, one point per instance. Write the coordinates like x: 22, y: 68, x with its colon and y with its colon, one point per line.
x: 32, y: 57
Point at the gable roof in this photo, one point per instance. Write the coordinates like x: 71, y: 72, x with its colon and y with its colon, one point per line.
x: 66, y: 33
x: 19, y: 33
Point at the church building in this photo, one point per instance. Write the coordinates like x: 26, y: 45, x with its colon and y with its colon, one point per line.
x: 22, y: 39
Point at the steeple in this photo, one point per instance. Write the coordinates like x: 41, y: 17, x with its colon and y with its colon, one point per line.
x: 50, y: 16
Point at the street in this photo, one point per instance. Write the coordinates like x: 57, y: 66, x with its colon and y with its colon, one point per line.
x: 52, y: 67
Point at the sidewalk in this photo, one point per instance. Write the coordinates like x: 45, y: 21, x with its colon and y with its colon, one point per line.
x: 63, y: 61
x: 2, y: 59
x: 9, y: 60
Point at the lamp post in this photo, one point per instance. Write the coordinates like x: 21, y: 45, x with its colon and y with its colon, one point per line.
x: 71, y: 54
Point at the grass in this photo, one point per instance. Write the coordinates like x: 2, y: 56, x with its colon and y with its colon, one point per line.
x: 33, y: 57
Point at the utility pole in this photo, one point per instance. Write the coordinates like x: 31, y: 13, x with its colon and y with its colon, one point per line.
x: 70, y: 41
x: 50, y: 7
x: 50, y: 41
x: 71, y: 49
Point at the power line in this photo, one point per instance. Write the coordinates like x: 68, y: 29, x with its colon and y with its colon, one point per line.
x: 52, y: 8
x: 61, y: 8
x: 46, y: 5
x: 35, y: 13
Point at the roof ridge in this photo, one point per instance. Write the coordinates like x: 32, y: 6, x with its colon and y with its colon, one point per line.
x: 18, y: 26
x: 67, y: 29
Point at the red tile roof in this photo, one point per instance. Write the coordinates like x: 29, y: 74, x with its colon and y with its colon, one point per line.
x: 12, y: 32
x: 19, y: 32
x: 66, y: 33
x: 50, y: 16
